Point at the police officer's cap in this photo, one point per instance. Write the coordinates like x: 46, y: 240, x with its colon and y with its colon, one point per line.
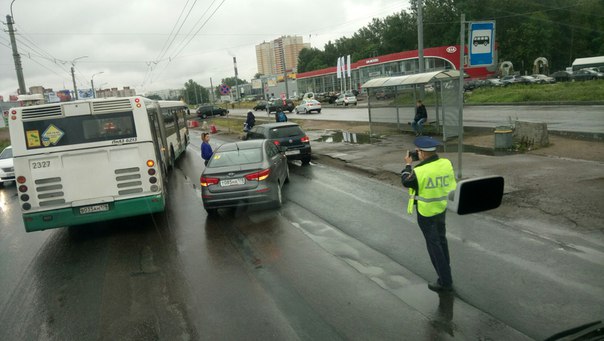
x: 426, y: 143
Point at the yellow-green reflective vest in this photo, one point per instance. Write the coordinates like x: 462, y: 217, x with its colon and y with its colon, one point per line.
x: 435, y: 180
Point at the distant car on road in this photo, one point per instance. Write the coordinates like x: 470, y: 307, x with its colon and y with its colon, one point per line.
x: 244, y: 173
x: 260, y: 105
x: 7, y: 170
x: 530, y: 80
x: 307, y: 106
x: 210, y: 110
x: 281, y: 105
x: 346, y: 99
x: 289, y: 135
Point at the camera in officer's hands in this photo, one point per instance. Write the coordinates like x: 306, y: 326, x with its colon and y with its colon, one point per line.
x: 414, y: 155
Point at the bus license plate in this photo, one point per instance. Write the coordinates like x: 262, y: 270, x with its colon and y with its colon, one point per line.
x: 94, y: 208
x: 231, y: 182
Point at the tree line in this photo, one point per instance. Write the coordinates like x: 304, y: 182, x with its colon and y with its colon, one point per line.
x: 559, y: 30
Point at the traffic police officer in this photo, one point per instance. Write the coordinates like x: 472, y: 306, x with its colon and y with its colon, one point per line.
x: 429, y: 183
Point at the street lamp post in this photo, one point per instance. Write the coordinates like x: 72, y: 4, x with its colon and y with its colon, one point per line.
x: 75, y: 88
x: 92, y: 83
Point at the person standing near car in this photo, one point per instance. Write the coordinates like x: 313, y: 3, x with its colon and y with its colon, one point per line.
x: 206, y: 149
x: 421, y: 115
x: 429, y: 184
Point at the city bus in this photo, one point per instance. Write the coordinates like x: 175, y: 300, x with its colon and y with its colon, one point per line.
x: 94, y: 160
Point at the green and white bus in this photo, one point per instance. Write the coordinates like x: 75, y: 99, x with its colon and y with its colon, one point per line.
x: 94, y: 160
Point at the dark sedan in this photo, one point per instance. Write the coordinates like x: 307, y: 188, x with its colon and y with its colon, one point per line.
x: 210, y: 110
x: 285, y: 134
x: 260, y: 105
x: 244, y: 173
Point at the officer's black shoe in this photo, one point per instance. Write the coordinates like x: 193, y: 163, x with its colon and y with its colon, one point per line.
x: 439, y: 288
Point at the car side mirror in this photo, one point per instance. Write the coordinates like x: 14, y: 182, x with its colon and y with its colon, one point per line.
x: 476, y: 195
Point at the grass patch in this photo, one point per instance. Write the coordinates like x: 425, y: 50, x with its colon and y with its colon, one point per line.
x: 557, y: 92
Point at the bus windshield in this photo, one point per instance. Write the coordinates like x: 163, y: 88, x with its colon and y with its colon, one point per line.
x: 72, y: 130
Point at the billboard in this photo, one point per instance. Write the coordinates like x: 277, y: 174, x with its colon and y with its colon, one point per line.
x: 256, y: 84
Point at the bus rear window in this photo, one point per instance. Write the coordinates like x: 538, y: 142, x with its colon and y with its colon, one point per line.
x: 79, y: 129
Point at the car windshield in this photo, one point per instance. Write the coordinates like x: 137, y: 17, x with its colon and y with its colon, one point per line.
x: 286, y: 131
x: 6, y: 153
x: 236, y: 157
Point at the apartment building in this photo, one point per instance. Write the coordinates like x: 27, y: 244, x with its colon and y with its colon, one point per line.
x: 280, y: 55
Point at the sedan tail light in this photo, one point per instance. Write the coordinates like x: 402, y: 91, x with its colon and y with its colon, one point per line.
x: 258, y: 176
x: 205, y: 182
x: 277, y: 143
x: 305, y: 139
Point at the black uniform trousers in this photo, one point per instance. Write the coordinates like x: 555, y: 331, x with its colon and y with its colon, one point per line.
x: 434, y: 231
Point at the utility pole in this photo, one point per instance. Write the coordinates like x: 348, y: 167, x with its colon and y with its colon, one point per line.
x: 236, y: 82
x: 92, y: 83
x: 16, y: 56
x: 212, y: 90
x: 75, y: 88
x: 420, y: 42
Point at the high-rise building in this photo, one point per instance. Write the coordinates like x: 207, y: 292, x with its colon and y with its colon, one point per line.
x: 280, y: 55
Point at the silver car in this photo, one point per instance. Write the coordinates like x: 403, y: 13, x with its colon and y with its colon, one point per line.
x: 244, y: 173
x: 7, y: 170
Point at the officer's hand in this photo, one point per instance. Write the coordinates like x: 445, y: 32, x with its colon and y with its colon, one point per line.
x: 408, y: 159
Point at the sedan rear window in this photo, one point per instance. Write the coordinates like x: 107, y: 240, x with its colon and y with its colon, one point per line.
x: 236, y: 157
x: 287, y: 131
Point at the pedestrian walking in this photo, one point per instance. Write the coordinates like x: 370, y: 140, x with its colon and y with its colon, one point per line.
x: 281, y: 117
x: 421, y: 115
x: 206, y: 149
x: 249, y: 122
x: 429, y: 183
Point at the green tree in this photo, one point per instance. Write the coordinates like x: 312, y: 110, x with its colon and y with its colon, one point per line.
x: 195, y: 94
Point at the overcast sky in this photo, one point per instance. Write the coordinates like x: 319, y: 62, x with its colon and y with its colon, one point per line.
x: 127, y: 39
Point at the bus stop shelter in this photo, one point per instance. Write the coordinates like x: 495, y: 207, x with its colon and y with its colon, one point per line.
x: 391, y: 100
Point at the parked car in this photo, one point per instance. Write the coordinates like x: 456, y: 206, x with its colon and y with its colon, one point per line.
x: 307, y: 106
x: 286, y: 134
x: 562, y: 76
x: 494, y: 82
x: 385, y: 94
x: 281, y: 105
x: 544, y: 79
x: 210, y: 110
x: 587, y: 74
x: 346, y: 99
x: 530, y: 80
x: 7, y: 170
x: 244, y: 173
x: 260, y: 105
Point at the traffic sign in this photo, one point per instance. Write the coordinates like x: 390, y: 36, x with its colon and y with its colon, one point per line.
x: 224, y: 89
x: 481, y: 43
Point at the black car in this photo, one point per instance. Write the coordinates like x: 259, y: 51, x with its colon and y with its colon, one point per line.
x: 210, y: 110
x: 260, y: 105
x: 281, y: 105
x: 285, y: 134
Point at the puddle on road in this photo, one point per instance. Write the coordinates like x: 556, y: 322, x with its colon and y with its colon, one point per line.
x: 344, y: 136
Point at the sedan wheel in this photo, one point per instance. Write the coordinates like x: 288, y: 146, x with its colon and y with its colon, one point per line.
x: 305, y: 111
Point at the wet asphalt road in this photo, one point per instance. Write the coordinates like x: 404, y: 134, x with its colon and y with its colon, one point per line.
x: 340, y: 260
